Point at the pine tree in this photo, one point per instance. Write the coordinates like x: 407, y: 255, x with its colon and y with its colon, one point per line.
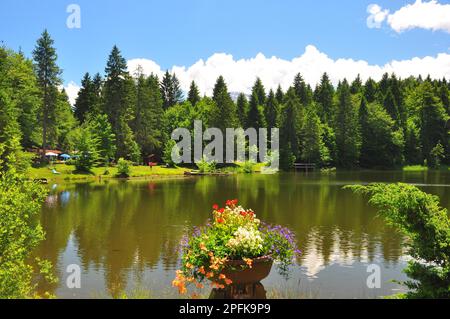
x: 346, y: 128
x: 119, y: 100
x: 302, y: 90
x: 85, y: 99
x: 147, y: 123
x: 170, y: 90
x: 224, y: 112
x: 312, y: 146
x: 194, y: 94
x: 259, y: 90
x: 255, y: 115
x: 279, y: 95
x: 390, y: 105
x: 370, y: 90
x: 324, y: 99
x: 272, y: 110
x: 242, y: 109
x: 48, y: 75
x: 219, y: 87
x: 356, y: 86
x: 433, y: 119
x: 289, y: 126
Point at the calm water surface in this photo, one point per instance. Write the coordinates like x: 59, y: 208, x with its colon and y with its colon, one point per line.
x: 125, y: 235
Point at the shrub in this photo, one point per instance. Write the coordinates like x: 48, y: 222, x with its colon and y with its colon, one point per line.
x: 205, y: 166
x: 248, y: 167
x: 123, y: 168
x: 20, y: 233
x: 426, y: 224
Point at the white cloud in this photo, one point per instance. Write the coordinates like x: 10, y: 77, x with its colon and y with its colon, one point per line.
x: 429, y: 15
x: 376, y: 16
x: 240, y: 74
x: 72, y: 91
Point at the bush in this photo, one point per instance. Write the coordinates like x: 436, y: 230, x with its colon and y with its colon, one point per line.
x: 248, y: 167
x: 426, y: 224
x: 87, y: 156
x: 20, y: 233
x: 205, y: 166
x: 123, y: 168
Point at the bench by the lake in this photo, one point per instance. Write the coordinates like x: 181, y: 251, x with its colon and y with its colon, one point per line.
x: 304, y: 166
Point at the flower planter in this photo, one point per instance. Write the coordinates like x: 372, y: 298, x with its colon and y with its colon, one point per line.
x: 240, y: 273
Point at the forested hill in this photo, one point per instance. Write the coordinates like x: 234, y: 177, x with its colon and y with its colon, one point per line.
x: 370, y: 124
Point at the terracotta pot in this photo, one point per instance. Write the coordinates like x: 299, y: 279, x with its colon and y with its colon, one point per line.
x: 239, y: 273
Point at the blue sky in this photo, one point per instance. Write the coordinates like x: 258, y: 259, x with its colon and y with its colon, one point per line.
x: 182, y: 32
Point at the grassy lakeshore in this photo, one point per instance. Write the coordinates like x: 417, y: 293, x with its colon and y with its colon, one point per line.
x: 67, y: 172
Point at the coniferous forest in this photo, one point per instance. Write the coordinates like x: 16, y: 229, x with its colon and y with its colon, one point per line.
x: 121, y: 114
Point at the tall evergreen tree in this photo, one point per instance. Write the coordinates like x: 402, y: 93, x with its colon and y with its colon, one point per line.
x: 390, y: 105
x: 85, y: 99
x: 48, y: 74
x: 289, y: 126
x: 255, y: 115
x: 119, y: 100
x: 272, y: 110
x: 346, y: 128
x: 324, y: 99
x: 224, y: 113
x: 171, y: 92
x: 194, y: 94
x: 302, y: 90
x: 356, y: 85
x: 279, y: 95
x: 242, y: 108
x: 260, y: 91
x: 370, y: 90
x: 433, y: 120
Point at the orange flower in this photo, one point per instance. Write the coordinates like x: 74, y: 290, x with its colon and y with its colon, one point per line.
x: 210, y: 275
x: 201, y: 270
x: 189, y: 265
x: 222, y: 276
x: 203, y: 247
x: 228, y: 281
x: 248, y: 261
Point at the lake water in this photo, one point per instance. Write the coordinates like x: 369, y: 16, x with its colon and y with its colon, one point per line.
x: 125, y: 234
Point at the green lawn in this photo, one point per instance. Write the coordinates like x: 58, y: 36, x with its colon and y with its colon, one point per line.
x: 67, y: 172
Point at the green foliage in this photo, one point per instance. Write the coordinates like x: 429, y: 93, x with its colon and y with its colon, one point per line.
x: 20, y: 233
x: 248, y: 167
x: 206, y: 166
x: 48, y: 75
x: 194, y: 94
x: 171, y: 148
x: 346, y: 128
x: 437, y: 154
x: 104, y: 137
x: 427, y: 226
x: 170, y: 90
x: 87, y: 145
x: 123, y: 168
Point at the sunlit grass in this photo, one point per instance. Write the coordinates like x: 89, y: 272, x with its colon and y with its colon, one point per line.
x: 67, y: 172
x: 415, y: 168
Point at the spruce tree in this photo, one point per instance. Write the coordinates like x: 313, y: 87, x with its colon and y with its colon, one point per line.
x: 170, y: 90
x: 302, y: 90
x: 194, y: 94
x: 242, y: 108
x: 223, y: 114
x: 370, y: 90
x: 324, y: 99
x: 289, y: 127
x: 272, y: 110
x: 255, y: 115
x: 346, y: 128
x: 119, y: 101
x: 85, y: 99
x: 48, y: 74
x: 279, y: 95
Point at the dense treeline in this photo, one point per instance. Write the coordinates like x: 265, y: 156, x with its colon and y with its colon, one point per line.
x: 388, y: 123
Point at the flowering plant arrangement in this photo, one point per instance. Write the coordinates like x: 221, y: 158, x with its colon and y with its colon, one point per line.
x: 234, y: 233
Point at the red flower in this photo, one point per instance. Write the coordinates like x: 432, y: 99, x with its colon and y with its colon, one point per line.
x: 221, y: 210
x: 220, y: 220
x: 215, y: 207
x: 243, y: 213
